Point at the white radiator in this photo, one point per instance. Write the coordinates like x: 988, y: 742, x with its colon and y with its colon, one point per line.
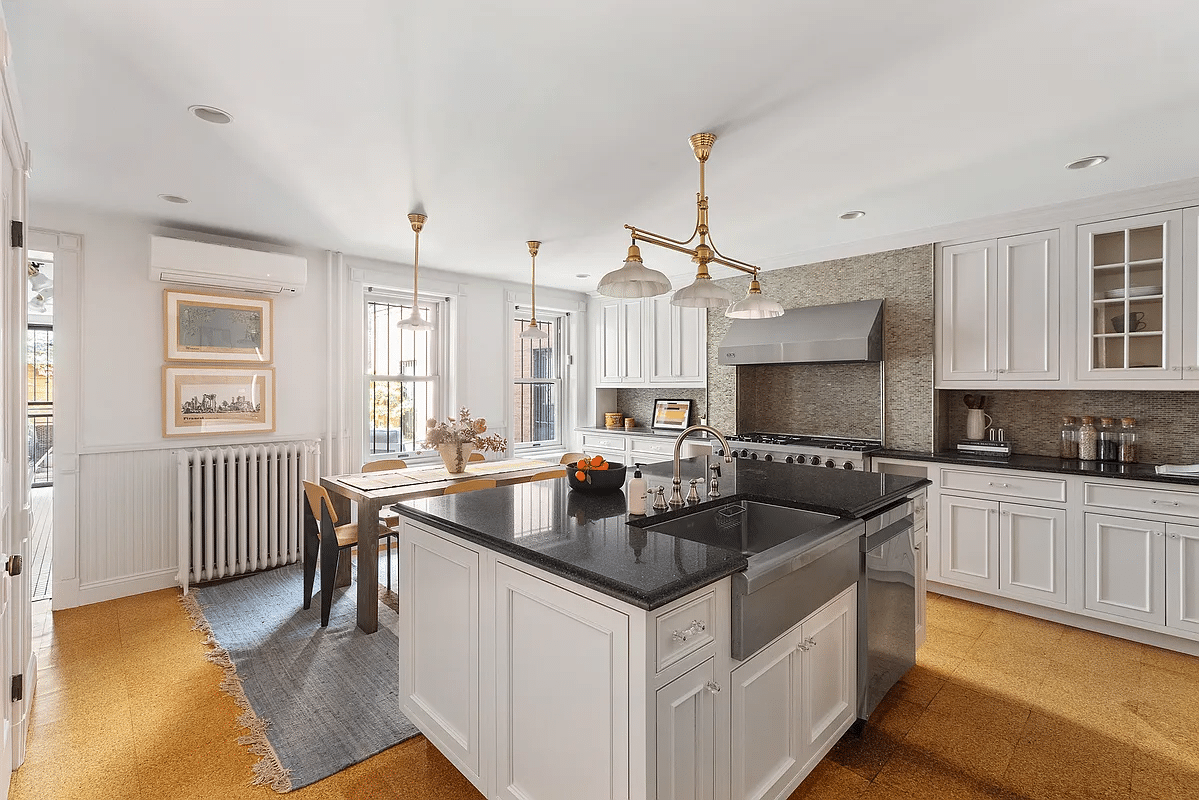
x: 239, y: 507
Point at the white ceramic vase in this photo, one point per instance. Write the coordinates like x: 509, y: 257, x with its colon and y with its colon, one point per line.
x: 455, y: 456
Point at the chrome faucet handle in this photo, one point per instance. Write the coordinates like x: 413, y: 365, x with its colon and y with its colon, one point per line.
x: 660, y: 498
x: 693, y: 495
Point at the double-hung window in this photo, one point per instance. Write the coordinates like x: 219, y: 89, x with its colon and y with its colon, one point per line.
x: 403, y: 376
x: 537, y: 384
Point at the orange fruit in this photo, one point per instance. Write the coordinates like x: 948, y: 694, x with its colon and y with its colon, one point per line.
x: 602, y: 466
x: 597, y: 460
x: 580, y: 476
x: 583, y: 464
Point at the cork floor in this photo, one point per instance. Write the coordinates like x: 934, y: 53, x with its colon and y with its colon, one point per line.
x: 998, y: 706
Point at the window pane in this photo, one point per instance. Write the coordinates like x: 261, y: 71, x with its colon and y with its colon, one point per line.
x: 398, y: 410
x: 401, y: 370
x: 535, y: 406
x: 534, y: 358
x: 396, y: 351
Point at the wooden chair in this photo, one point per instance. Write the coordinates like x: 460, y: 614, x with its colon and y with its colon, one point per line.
x: 386, y: 463
x: 326, y: 540
x: 571, y: 458
x: 477, y: 457
x: 470, y: 486
x: 548, y: 475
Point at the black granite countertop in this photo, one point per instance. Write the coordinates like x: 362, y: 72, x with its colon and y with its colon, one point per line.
x: 587, y: 538
x: 1090, y: 469
x: 640, y: 430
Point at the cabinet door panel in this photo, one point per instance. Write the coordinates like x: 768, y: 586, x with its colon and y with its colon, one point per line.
x: 1028, y: 309
x: 678, y: 344
x: 686, y: 737
x: 562, y: 693
x: 609, y: 343
x: 969, y: 544
x: 1032, y: 553
x: 967, y: 321
x: 439, y: 649
x: 830, y: 674
x: 634, y: 354
x: 1182, y: 577
x: 765, y: 737
x: 1126, y: 564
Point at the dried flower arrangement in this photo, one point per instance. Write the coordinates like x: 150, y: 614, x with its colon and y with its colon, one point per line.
x: 462, y: 430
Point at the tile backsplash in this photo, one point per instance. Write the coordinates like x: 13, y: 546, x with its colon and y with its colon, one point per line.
x: 639, y: 403
x: 1167, y: 422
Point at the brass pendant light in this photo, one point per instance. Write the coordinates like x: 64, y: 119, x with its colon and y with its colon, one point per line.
x: 414, y: 321
x: 534, y: 331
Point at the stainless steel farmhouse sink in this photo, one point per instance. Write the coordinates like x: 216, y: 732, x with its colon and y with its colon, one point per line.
x: 798, y: 561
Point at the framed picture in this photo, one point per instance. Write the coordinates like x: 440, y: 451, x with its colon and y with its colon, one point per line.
x: 197, y: 401
x: 672, y: 414
x: 221, y: 328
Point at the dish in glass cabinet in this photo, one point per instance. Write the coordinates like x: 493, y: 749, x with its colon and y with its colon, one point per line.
x: 1135, y: 291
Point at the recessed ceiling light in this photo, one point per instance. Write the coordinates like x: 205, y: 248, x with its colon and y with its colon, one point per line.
x: 211, y: 114
x: 1089, y: 161
x: 853, y: 215
x: 173, y: 198
x: 583, y: 275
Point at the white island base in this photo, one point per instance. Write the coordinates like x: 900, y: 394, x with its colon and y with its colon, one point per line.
x: 538, y: 688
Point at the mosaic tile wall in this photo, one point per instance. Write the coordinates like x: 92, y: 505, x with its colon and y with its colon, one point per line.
x: 639, y: 403
x: 1167, y: 422
x: 839, y: 397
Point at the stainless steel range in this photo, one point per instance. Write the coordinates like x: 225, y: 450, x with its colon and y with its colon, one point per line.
x: 834, y: 452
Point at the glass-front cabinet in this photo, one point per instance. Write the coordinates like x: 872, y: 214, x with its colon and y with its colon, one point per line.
x: 1130, y: 292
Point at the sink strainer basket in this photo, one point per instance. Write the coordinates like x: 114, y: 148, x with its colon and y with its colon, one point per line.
x: 729, y: 516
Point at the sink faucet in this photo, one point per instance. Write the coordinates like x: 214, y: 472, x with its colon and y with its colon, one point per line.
x: 676, y: 494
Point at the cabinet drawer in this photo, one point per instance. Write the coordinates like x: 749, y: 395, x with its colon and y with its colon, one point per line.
x: 593, y: 441
x: 1136, y: 498
x: 1013, y: 485
x: 685, y: 629
x: 645, y: 444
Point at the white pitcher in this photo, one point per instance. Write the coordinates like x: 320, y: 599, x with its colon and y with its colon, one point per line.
x: 977, y: 423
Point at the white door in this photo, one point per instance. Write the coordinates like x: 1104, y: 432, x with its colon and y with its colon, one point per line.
x: 562, y: 693
x: 1182, y: 577
x: 439, y: 645
x: 1028, y: 309
x: 766, y: 738
x: 686, y: 736
x: 1126, y: 566
x: 966, y: 323
x: 969, y: 542
x: 830, y: 673
x: 1032, y: 553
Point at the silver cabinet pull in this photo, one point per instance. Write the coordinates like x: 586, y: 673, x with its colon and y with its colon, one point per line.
x: 712, y: 686
x: 1000, y: 485
x: 1164, y: 502
x: 696, y: 626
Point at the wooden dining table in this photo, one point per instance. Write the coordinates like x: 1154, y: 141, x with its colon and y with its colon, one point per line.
x: 370, y: 491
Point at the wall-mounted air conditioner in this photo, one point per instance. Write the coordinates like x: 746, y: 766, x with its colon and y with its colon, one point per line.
x: 219, y: 266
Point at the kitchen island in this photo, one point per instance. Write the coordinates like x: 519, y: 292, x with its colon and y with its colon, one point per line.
x: 550, y: 649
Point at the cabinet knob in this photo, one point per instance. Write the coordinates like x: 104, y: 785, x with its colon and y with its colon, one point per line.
x: 712, y: 686
x: 1173, y: 535
x: 1002, y: 371
x: 992, y: 511
x: 1159, y: 533
x: 1007, y: 513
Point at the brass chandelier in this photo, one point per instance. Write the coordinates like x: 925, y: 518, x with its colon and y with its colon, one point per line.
x: 634, y: 279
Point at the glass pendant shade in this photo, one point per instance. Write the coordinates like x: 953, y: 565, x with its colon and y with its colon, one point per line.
x: 634, y: 279
x: 754, y: 305
x: 37, y: 280
x: 415, y: 322
x: 37, y: 305
x: 702, y: 293
x: 534, y: 331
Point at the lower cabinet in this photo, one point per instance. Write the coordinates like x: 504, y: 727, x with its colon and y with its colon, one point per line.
x: 1182, y: 577
x: 793, y: 699
x: 562, y: 692
x: 686, y: 736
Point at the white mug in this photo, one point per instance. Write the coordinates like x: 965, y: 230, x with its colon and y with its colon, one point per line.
x: 977, y: 423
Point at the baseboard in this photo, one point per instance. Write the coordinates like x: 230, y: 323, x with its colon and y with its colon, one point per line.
x: 82, y: 594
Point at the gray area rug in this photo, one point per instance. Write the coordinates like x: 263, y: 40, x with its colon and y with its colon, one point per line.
x: 315, y: 700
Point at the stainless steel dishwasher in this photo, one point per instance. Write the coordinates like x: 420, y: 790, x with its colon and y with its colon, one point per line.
x: 886, y: 605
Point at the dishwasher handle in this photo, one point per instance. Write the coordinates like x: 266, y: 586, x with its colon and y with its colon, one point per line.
x: 877, y: 539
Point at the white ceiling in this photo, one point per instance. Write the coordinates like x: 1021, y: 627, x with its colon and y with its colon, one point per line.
x: 561, y: 121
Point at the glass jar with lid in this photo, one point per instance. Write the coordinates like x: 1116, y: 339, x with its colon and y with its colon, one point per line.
x: 1087, y: 439
x: 1128, y: 440
x: 1068, y: 441
x: 1109, y: 440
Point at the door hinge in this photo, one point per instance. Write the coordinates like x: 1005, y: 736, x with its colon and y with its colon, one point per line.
x: 18, y: 687
x: 16, y: 234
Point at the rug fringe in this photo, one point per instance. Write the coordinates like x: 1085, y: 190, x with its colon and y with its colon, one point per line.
x: 268, y: 771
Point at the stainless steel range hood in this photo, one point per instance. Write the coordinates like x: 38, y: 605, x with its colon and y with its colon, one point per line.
x: 812, y: 335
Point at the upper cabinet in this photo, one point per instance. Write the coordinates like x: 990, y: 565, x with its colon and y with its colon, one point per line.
x: 649, y: 342
x: 998, y: 310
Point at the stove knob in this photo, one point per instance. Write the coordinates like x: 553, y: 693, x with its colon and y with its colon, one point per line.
x: 848, y: 465
x: 790, y: 459
x: 830, y: 464
x: 745, y: 454
x: 768, y: 457
x: 816, y: 462
x: 753, y: 456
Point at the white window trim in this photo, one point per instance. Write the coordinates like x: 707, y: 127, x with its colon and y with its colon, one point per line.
x: 562, y: 362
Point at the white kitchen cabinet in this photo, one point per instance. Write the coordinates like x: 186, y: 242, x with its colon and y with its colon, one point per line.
x: 686, y: 736
x: 649, y: 343
x: 920, y: 547
x: 1182, y: 577
x: 970, y: 542
x: 998, y: 316
x: 439, y: 646
x: 1032, y: 552
x: 562, y: 687
x: 793, y: 699
x: 1126, y: 567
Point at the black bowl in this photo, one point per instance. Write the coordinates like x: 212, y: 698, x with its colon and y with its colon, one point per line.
x: 602, y: 480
